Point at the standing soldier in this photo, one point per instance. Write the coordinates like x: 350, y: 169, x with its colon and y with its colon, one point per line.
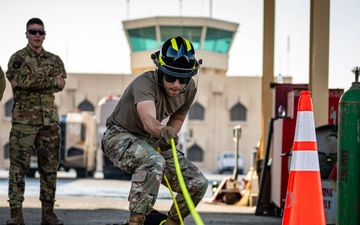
x: 135, y: 131
x: 35, y: 75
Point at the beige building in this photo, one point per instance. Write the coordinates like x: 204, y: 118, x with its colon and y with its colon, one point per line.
x: 217, y: 95
x: 222, y: 101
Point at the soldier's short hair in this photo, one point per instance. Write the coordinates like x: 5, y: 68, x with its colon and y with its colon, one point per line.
x: 34, y: 21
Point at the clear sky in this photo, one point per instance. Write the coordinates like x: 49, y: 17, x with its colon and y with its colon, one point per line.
x: 89, y: 37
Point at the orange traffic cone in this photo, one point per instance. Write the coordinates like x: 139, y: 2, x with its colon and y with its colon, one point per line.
x: 304, y: 200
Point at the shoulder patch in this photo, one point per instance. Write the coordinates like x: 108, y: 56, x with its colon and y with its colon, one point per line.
x: 16, y: 64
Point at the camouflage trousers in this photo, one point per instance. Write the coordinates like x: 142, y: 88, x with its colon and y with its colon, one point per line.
x: 137, y: 155
x: 46, y: 141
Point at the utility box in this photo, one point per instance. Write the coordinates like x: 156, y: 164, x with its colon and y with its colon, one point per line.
x: 285, y: 96
x: 280, y: 160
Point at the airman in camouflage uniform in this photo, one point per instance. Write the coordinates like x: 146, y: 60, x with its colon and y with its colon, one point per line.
x: 35, y: 75
x: 135, y: 132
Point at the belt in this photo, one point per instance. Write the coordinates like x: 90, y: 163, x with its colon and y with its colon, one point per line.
x: 117, y: 127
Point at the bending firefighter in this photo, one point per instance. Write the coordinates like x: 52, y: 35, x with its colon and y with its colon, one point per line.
x: 134, y: 131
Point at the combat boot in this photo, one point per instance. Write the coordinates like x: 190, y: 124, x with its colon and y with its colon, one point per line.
x: 171, y: 221
x: 137, y: 220
x: 48, y: 216
x: 16, y: 217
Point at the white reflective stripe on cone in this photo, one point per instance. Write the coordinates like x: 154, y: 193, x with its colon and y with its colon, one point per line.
x: 305, y: 127
x: 304, y: 161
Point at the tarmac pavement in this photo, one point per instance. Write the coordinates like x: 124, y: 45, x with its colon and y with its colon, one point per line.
x: 75, y: 209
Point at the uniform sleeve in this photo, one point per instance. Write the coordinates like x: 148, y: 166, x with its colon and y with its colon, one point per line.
x: 143, y: 89
x: 60, y: 66
x: 57, y: 69
x: 26, y: 76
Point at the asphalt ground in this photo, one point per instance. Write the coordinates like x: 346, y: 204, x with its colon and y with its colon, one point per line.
x: 98, y: 201
x: 74, y: 210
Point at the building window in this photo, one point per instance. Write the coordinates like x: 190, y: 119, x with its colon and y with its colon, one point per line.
x: 86, y: 106
x: 143, y: 39
x: 193, y: 34
x: 195, y: 153
x: 196, y: 112
x: 217, y: 40
x: 8, y: 108
x: 238, y: 112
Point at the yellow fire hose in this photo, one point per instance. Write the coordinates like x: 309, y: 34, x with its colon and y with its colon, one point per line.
x: 174, y: 199
x: 189, y: 202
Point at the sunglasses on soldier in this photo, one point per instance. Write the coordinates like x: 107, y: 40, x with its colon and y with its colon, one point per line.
x: 34, y: 32
x: 182, y: 80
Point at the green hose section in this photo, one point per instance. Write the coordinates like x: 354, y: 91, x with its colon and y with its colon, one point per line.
x: 173, y: 197
x: 189, y: 202
x: 175, y: 202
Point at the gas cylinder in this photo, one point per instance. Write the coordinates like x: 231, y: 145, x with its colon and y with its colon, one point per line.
x: 348, y: 174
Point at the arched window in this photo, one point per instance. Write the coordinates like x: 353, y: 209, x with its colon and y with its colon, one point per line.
x: 8, y: 108
x: 86, y: 105
x: 195, y: 153
x: 238, y: 112
x: 196, y: 112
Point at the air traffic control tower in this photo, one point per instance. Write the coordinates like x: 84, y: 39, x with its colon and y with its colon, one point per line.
x: 211, y: 39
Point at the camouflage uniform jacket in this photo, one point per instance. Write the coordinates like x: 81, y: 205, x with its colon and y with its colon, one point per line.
x: 34, y: 100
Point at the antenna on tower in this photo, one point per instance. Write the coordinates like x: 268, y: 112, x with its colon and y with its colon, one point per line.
x: 180, y: 7
x: 210, y: 8
x: 128, y: 9
x: 288, y: 56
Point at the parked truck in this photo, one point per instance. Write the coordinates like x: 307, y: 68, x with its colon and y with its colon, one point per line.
x: 78, y: 145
